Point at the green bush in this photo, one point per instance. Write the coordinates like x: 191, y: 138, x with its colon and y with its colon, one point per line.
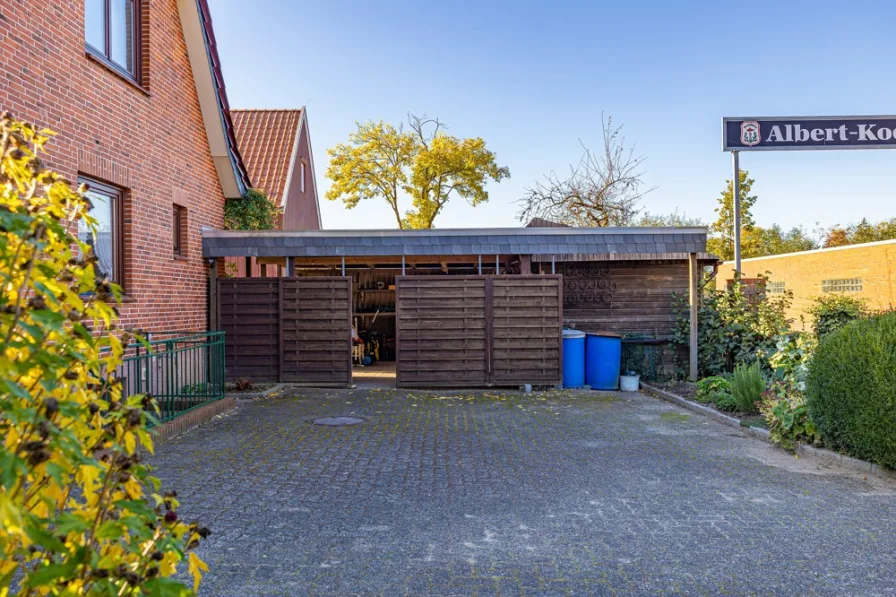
x: 833, y: 311
x: 252, y: 211
x: 733, y: 328
x: 710, y: 387
x: 851, y: 389
x: 747, y: 387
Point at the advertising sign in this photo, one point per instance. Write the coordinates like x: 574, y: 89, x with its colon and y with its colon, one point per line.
x: 809, y: 132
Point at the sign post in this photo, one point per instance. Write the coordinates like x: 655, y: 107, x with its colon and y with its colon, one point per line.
x: 800, y: 133
x: 736, y: 183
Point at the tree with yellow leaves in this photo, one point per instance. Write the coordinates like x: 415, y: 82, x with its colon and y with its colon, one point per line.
x: 81, y: 513
x: 421, y: 162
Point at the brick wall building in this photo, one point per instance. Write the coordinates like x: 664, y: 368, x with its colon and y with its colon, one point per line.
x: 134, y: 91
x: 866, y: 271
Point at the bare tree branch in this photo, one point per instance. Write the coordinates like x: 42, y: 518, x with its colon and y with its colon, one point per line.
x: 603, y: 189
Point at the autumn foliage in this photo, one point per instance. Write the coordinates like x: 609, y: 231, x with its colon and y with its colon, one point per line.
x: 81, y: 513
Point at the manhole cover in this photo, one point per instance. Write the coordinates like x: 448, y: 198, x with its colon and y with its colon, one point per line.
x: 337, y: 421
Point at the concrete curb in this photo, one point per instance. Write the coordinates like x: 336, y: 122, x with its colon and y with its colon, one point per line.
x: 192, y: 419
x: 256, y: 395
x: 802, y: 450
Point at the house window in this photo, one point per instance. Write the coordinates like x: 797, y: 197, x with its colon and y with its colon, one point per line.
x: 775, y: 288
x: 179, y: 228
x: 112, y: 32
x: 302, y: 177
x: 106, y: 240
x: 842, y: 285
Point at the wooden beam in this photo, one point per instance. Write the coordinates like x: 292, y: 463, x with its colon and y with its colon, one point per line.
x: 290, y: 267
x: 213, y: 302
x: 525, y: 264
x: 692, y: 303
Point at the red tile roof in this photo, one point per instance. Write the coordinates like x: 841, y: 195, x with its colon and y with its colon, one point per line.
x: 266, y: 139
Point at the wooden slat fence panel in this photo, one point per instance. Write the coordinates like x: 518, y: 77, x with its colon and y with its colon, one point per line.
x: 315, y: 335
x: 441, y: 330
x: 249, y: 315
x: 296, y: 330
x: 478, y: 331
x: 527, y: 328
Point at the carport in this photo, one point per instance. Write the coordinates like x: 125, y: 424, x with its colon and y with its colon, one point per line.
x: 453, y: 308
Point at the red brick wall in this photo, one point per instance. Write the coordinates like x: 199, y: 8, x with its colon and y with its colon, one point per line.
x: 151, y: 142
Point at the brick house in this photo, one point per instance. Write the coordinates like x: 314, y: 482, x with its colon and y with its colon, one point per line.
x: 276, y: 147
x: 864, y: 271
x: 134, y: 91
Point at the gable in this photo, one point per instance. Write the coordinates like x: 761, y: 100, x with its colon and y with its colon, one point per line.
x: 267, y: 140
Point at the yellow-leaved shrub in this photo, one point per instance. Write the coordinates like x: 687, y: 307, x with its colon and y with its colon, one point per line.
x: 81, y: 513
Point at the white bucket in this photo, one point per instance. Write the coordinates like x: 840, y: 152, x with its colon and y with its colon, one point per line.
x: 629, y: 383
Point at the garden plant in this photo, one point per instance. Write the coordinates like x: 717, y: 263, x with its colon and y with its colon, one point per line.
x: 851, y: 388
x: 733, y: 329
x: 82, y: 514
x: 747, y: 387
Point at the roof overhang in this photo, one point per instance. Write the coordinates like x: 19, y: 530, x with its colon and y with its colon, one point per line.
x: 652, y: 243
x: 206, y: 66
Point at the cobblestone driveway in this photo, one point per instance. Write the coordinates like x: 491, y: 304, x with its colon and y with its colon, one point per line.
x: 564, y: 494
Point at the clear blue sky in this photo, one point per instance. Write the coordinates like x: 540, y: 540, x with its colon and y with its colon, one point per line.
x: 532, y: 78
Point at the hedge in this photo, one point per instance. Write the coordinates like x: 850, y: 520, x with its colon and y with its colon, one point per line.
x: 851, y: 389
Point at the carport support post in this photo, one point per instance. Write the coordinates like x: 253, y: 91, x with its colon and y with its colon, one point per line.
x: 343, y: 267
x: 692, y: 303
x: 213, y: 307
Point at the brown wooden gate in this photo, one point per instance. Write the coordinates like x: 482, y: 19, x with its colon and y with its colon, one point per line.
x: 478, y: 331
x: 249, y: 316
x: 316, y: 330
x: 295, y: 330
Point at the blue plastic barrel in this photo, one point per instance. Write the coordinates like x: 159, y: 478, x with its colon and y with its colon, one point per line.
x: 603, y: 359
x: 573, y: 359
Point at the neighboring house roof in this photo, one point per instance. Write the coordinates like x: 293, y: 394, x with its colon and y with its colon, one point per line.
x: 196, y: 21
x: 543, y: 223
x: 469, y: 241
x: 267, y: 140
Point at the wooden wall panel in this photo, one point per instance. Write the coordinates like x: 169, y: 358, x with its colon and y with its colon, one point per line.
x: 527, y: 328
x: 249, y: 316
x: 295, y: 330
x: 633, y: 298
x: 441, y: 331
x: 628, y: 297
x: 478, y: 331
x: 315, y: 332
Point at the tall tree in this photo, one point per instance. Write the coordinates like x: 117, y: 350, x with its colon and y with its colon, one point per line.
x: 422, y: 162
x: 721, y: 243
x: 603, y: 189
x: 759, y: 242
x: 863, y: 232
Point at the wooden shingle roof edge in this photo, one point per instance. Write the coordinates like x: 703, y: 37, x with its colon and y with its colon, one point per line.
x: 458, y: 241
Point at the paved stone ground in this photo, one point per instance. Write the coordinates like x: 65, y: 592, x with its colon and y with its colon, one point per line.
x: 502, y: 494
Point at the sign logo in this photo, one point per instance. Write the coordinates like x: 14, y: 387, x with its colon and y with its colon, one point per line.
x: 749, y: 133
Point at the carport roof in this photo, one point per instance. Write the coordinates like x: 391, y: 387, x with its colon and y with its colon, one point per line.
x: 462, y: 241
